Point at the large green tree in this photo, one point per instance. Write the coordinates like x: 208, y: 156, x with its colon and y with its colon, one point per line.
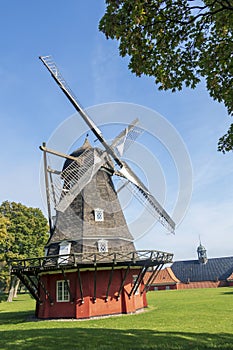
x: 179, y: 42
x: 23, y: 234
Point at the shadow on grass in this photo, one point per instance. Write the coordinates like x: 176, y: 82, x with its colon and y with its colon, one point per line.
x: 228, y: 293
x: 110, y: 339
x: 15, y: 317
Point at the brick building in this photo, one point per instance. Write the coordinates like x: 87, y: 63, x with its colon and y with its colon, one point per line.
x: 201, y: 273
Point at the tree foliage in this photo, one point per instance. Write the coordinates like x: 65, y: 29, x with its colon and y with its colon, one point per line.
x: 23, y: 234
x: 179, y: 42
x: 6, y: 240
x: 225, y: 143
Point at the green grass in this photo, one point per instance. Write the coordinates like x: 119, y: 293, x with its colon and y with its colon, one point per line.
x: 187, y: 319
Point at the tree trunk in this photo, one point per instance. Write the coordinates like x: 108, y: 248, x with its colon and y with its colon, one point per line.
x: 16, y: 288
x: 12, y: 288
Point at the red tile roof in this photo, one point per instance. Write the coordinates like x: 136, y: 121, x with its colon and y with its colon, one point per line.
x: 164, y: 277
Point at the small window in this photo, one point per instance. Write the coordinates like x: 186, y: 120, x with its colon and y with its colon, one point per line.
x: 99, y: 214
x: 64, y: 248
x: 63, y: 294
x: 103, y: 246
x: 167, y: 287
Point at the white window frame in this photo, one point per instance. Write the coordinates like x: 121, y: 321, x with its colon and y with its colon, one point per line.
x: 103, y: 246
x: 99, y: 214
x: 65, y: 295
x: 64, y: 248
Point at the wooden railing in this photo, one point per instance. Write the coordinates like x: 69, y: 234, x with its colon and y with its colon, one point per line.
x: 139, y: 257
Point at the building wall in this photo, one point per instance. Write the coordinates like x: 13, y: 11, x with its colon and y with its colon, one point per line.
x: 203, y: 284
x: 190, y: 285
x: 155, y: 287
x: 89, y: 307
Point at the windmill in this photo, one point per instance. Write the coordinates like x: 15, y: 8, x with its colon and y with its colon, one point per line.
x: 113, y: 151
x: 91, y: 267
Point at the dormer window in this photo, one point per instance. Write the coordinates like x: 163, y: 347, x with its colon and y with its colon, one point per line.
x: 99, y: 214
x: 102, y: 246
x: 64, y: 248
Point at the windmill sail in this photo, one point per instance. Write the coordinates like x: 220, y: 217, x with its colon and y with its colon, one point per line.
x: 78, y: 172
x: 145, y: 197
x: 53, y: 69
x: 76, y: 177
x: 123, y: 141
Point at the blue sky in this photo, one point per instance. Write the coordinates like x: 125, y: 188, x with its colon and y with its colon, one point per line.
x: 32, y: 107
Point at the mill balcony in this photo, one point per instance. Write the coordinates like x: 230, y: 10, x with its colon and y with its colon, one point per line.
x: 53, y: 262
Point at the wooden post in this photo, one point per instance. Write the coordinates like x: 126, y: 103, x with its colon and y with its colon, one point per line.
x: 109, y: 283
x: 47, y: 189
x: 80, y: 286
x: 95, y: 275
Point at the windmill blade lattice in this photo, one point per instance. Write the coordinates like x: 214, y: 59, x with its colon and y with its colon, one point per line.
x: 52, y: 67
x: 153, y: 206
x: 67, y: 184
x: 76, y: 177
x: 124, y: 140
x: 135, y: 185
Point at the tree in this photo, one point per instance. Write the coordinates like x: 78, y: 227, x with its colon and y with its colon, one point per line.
x: 5, y: 243
x: 179, y: 42
x: 23, y: 234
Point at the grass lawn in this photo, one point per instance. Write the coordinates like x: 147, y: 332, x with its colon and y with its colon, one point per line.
x: 185, y: 319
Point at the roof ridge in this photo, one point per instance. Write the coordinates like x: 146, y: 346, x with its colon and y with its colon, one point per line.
x: 193, y: 260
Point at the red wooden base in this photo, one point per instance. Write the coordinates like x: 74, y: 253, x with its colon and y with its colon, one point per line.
x: 92, y: 294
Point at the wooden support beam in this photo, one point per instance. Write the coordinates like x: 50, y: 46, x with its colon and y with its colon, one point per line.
x: 33, y: 283
x: 138, y: 280
x: 59, y: 154
x: 95, y: 274
x: 26, y: 282
x: 52, y: 188
x: 136, y: 283
x: 47, y: 189
x: 144, y: 272
x: 80, y: 286
x: 45, y: 291
x: 152, y: 277
x: 123, y: 281
x: 109, y: 283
